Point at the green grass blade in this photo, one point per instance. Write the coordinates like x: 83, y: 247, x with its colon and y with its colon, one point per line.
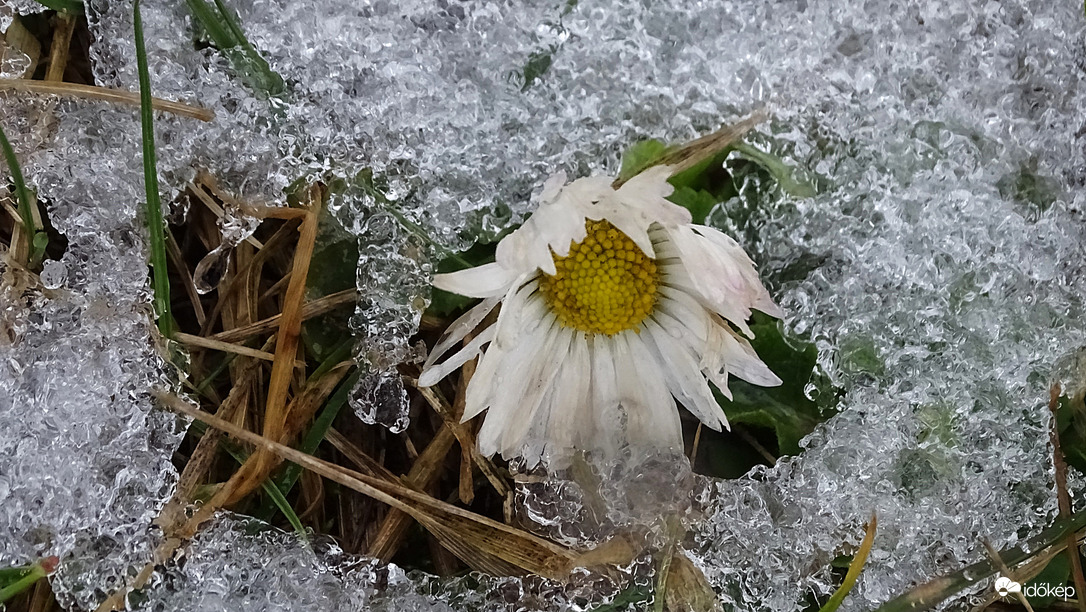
x: 73, y: 7
x: 929, y: 595
x: 281, y: 502
x: 220, y: 35
x: 273, y: 492
x: 159, y: 275
x: 33, y: 574
x: 854, y: 570
x: 22, y: 194
x: 228, y: 37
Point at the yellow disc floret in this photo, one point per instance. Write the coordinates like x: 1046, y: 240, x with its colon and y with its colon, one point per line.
x: 605, y: 285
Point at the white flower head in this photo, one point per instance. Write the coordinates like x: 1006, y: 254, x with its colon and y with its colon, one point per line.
x: 612, y: 304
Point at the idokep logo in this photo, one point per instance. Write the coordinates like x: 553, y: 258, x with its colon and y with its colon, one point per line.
x: 1005, y: 586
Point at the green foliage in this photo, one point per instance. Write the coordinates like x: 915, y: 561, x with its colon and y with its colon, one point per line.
x: 225, y: 33
x: 1055, y: 574
x: 63, y: 6
x: 274, y: 494
x: 313, y: 438
x: 38, y: 239
x: 443, y: 303
x: 936, y: 421
x: 15, y: 580
x: 539, y: 62
x: 640, y: 156
x: 785, y: 409
x: 701, y: 187
x: 155, y: 222
x: 1030, y: 189
x: 859, y: 355
x: 787, y: 177
x: 633, y: 595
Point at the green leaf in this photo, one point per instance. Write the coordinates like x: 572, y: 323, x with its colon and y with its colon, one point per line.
x: 786, y: 409
x: 1029, y: 188
x: 641, y: 156
x: 443, y: 303
x: 277, y: 497
x: 539, y: 62
x: 785, y: 175
x: 63, y: 6
x: 631, y: 595
x: 226, y: 34
x: 1054, y: 575
x: 699, y: 203
x: 320, y: 427
x: 859, y: 355
x: 26, y: 202
x: 15, y: 580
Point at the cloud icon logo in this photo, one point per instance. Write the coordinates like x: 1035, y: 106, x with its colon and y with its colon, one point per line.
x: 1005, y: 586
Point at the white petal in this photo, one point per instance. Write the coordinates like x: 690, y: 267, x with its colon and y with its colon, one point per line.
x: 483, y: 281
x: 760, y: 297
x: 552, y: 186
x: 651, y: 415
x: 715, y: 277
x: 605, y: 395
x: 431, y: 375
x: 483, y: 382
x: 460, y: 328
x: 745, y: 363
x: 569, y: 401
x: 525, y: 405
x: 683, y: 376
x: 518, y: 385
x: 513, y: 312
x: 508, y: 385
x: 685, y: 311
x: 647, y: 193
x: 636, y: 229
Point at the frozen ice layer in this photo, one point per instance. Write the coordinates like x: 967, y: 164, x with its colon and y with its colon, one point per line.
x: 10, y: 8
x: 238, y: 563
x: 83, y: 458
x: 936, y: 270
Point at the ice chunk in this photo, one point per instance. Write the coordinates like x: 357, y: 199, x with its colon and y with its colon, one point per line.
x: 13, y: 62
x: 10, y: 8
x: 238, y: 563
x: 84, y: 460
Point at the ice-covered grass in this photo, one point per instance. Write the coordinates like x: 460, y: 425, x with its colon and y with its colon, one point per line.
x: 938, y: 269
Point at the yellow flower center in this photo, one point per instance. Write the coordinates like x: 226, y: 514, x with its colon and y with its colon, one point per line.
x: 604, y: 286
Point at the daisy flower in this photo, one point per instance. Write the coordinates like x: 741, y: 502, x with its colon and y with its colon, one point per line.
x: 612, y: 306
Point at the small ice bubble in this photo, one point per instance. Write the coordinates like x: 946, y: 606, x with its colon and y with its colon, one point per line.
x: 13, y: 62
x: 211, y: 269
x: 53, y: 274
x: 380, y: 398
